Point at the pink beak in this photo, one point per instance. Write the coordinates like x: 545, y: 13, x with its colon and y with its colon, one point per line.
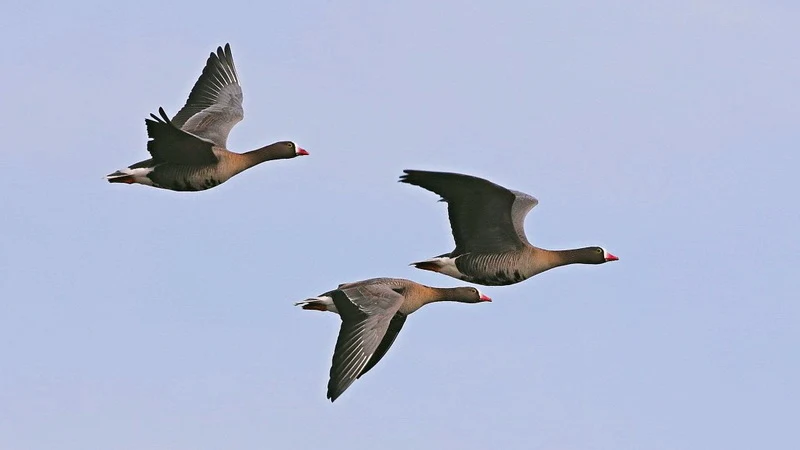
x: 485, y: 298
x: 610, y: 257
x: 301, y: 152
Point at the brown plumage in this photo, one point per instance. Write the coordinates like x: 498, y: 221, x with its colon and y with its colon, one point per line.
x: 373, y: 313
x: 189, y: 152
x: 487, y: 223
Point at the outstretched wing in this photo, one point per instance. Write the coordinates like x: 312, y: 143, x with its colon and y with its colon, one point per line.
x: 170, y: 144
x: 484, y: 217
x: 395, y: 325
x: 522, y: 205
x: 215, y: 103
x: 366, y: 311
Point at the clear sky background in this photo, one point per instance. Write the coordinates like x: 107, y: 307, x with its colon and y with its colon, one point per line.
x: 136, y: 318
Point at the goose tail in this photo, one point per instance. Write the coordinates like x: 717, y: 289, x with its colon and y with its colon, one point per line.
x: 120, y: 177
x: 321, y: 303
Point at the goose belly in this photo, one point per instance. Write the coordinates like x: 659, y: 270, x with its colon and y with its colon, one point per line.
x: 187, y: 178
x: 491, y: 269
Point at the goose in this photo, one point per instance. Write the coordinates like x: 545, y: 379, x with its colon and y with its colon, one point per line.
x: 487, y: 223
x: 373, y: 312
x: 188, y: 153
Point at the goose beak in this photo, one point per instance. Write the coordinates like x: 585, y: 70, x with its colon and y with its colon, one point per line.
x: 301, y: 152
x: 485, y: 298
x: 610, y: 257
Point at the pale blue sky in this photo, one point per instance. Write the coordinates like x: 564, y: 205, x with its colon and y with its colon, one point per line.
x: 135, y: 318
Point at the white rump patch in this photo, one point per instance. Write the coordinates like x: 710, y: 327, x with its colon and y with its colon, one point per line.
x: 447, y: 266
x: 324, y: 299
x: 139, y: 175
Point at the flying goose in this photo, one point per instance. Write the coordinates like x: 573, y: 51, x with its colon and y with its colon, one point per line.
x: 487, y: 224
x: 189, y: 152
x: 373, y: 312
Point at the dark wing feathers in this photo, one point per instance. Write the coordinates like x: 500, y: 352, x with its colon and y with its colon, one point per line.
x: 170, y: 144
x: 366, y: 312
x: 214, y: 105
x: 480, y: 211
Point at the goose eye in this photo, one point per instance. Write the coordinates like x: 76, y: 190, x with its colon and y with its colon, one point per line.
x: 599, y: 250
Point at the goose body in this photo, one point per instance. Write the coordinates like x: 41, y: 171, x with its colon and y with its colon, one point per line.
x: 188, y: 152
x: 373, y: 313
x: 487, y: 221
